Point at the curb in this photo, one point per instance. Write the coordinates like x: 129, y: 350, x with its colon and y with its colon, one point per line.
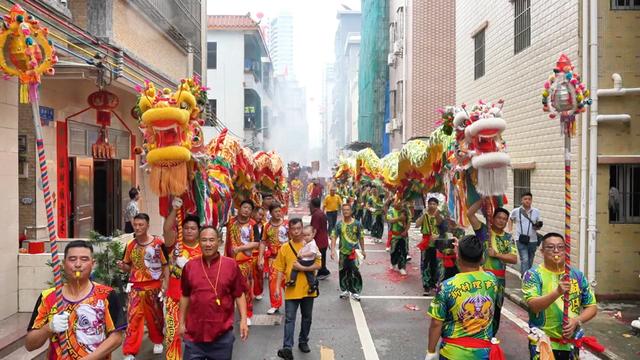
x: 606, y: 355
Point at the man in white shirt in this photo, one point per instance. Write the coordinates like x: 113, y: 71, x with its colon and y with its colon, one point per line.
x: 527, y: 221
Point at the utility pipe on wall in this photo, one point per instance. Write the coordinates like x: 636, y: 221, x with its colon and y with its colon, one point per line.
x: 592, y: 228
x: 584, y: 133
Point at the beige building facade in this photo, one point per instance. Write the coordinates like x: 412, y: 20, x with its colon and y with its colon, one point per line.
x: 506, y: 50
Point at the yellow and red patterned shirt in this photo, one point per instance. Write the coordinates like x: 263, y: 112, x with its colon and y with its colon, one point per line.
x: 146, y: 263
x: 91, y: 319
x: 239, y: 234
x: 179, y: 260
x: 274, y: 237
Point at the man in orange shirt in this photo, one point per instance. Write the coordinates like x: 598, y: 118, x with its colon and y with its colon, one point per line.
x: 179, y: 254
x: 146, y: 264
x: 240, y: 246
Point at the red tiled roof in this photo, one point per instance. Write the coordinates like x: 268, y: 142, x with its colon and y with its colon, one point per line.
x: 231, y: 22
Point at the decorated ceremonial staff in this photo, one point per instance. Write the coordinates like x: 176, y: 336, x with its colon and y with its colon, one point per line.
x: 565, y: 96
x: 31, y: 54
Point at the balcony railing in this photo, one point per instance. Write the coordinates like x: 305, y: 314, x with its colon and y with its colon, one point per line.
x: 181, y: 19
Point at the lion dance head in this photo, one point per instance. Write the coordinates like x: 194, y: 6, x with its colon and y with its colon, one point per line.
x: 169, y: 120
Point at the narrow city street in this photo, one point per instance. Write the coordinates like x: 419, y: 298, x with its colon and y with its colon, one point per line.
x: 390, y: 322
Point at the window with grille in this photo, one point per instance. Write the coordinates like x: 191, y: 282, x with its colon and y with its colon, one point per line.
x: 521, y: 25
x: 521, y: 184
x: 400, y: 23
x: 478, y: 39
x: 212, y: 55
x: 625, y: 4
x: 392, y: 103
x: 392, y: 33
x: 399, y: 99
x: 624, y: 194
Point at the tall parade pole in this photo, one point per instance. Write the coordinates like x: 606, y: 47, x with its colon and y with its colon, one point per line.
x: 565, y: 96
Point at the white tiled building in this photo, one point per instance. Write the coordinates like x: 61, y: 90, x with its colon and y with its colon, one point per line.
x: 506, y: 50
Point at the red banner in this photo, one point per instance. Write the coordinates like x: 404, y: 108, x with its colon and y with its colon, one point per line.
x: 62, y: 173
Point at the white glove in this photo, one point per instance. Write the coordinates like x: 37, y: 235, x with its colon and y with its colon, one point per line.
x: 127, y: 288
x: 60, y: 322
x: 431, y: 356
x: 176, y: 203
x: 181, y: 261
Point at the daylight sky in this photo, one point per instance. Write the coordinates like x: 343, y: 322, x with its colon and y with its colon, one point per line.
x: 314, y: 31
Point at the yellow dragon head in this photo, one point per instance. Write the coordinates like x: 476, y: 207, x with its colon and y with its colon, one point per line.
x: 166, y: 118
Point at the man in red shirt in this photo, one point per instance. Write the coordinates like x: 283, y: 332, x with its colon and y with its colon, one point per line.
x: 316, y: 193
x: 147, y: 265
x: 179, y: 254
x: 241, y: 246
x: 319, y: 223
x: 211, y: 285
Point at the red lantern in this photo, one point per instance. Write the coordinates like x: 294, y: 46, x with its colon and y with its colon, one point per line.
x: 103, y: 102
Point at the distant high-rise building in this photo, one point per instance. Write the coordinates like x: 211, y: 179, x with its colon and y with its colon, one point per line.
x: 281, y: 45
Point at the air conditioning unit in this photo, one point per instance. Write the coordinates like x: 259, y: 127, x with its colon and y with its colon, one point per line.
x: 394, y: 124
x: 387, y: 128
x: 391, y: 60
x: 397, y: 47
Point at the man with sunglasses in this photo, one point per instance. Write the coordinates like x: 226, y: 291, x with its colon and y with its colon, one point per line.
x: 543, y: 288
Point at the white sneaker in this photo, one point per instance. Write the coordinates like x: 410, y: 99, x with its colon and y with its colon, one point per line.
x: 248, y: 321
x: 408, y: 257
x: 344, y: 294
x: 394, y: 267
x: 157, y: 348
x: 258, y: 297
x: 129, y: 357
x: 355, y: 296
x: 403, y: 272
x: 272, y: 311
x: 387, y: 249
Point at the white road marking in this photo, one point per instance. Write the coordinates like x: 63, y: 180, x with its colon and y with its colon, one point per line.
x: 374, y: 251
x: 368, y: 347
x: 514, y: 271
x: 515, y: 319
x: 396, y: 297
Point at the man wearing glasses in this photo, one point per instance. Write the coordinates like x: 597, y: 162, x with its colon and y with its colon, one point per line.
x: 543, y: 288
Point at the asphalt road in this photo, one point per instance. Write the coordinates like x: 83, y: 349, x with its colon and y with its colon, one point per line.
x: 381, y: 326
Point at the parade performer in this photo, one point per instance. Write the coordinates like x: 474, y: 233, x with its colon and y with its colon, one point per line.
x: 275, y: 234
x: 146, y: 264
x: 386, y: 208
x: 179, y: 254
x: 258, y: 271
x: 499, y: 249
x: 351, y: 235
x: 91, y: 317
x: 399, y: 218
x: 296, y: 188
x: 211, y: 285
x: 240, y: 245
x: 429, y: 223
x: 462, y: 314
x: 367, y: 218
x: 543, y: 288
x: 446, y: 254
x: 375, y: 207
